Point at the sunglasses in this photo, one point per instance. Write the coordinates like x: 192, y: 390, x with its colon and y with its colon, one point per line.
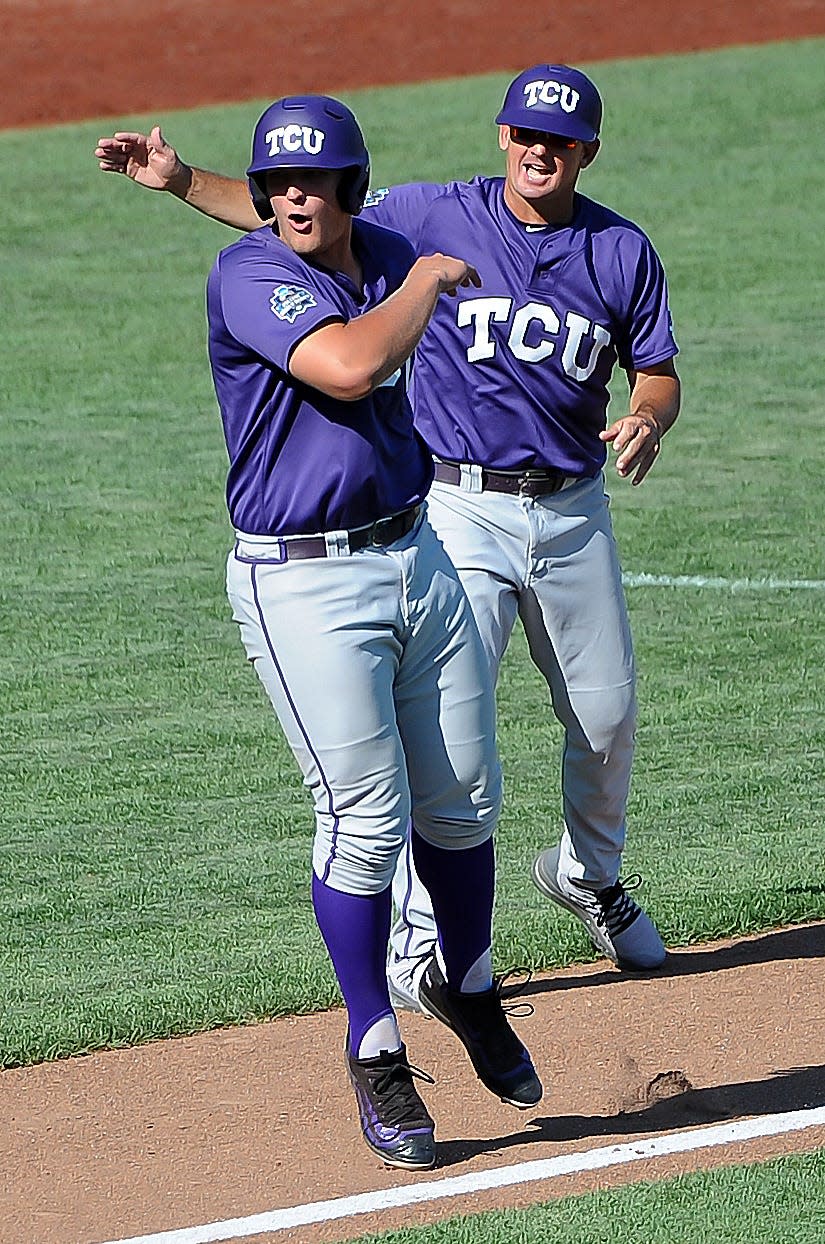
x: 531, y: 138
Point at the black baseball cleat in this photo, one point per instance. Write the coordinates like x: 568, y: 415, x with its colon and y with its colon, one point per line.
x: 394, y: 1119
x: 501, y: 1062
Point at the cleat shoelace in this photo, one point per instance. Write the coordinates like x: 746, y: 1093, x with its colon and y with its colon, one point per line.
x: 506, y: 991
x: 617, y: 910
x: 396, y: 1096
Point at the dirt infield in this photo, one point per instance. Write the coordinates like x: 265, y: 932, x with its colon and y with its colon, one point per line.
x: 240, y: 1122
x: 61, y: 60
x: 245, y: 1121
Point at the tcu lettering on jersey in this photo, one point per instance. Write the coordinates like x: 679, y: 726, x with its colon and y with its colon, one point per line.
x: 480, y: 313
x: 551, y: 93
x: 292, y: 138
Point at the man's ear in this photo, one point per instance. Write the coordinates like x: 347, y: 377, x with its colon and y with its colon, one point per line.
x: 503, y: 136
x: 591, y: 150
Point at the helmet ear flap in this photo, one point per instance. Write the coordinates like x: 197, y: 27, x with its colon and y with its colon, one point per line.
x: 260, y: 199
x: 353, y: 187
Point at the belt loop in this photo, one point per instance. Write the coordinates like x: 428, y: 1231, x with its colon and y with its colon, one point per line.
x: 337, y: 543
x: 471, y: 479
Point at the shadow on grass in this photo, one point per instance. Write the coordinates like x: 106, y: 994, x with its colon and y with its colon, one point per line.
x: 804, y: 942
x: 797, y: 1088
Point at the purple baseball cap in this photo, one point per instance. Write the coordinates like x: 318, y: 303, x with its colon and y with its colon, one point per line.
x: 554, y: 98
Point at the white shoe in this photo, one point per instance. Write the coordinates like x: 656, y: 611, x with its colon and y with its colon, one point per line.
x: 404, y: 977
x: 617, y: 925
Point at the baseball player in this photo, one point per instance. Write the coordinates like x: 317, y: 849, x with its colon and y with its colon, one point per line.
x: 348, y: 607
x: 510, y: 390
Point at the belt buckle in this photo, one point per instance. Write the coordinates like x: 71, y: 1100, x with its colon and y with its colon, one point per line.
x: 395, y: 526
x: 531, y: 476
x: 380, y: 524
x: 550, y: 481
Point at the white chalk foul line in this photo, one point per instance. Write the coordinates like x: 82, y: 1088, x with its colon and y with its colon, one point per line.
x: 766, y: 584
x: 501, y: 1177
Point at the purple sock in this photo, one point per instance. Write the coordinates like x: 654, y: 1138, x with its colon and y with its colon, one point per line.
x: 356, y: 929
x: 461, y: 885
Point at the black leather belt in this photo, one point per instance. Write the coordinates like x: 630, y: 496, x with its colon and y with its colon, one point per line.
x: 377, y: 535
x: 518, y: 483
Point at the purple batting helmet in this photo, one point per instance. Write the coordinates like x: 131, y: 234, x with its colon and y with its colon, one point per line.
x: 309, y: 131
x: 554, y: 98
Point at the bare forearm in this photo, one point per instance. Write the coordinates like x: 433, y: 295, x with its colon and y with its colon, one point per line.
x: 348, y: 361
x: 636, y: 437
x: 223, y: 198
x: 656, y: 398
x: 150, y: 161
x: 379, y: 343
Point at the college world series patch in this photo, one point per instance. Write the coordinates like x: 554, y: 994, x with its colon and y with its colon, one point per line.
x: 376, y: 196
x: 290, y: 301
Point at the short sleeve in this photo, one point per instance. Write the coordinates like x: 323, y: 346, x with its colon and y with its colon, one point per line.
x: 268, y: 306
x: 647, y: 337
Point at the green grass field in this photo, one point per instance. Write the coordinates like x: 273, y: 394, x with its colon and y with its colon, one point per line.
x: 155, y: 838
x: 154, y: 835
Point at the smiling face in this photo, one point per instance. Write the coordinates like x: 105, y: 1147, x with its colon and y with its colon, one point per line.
x: 310, y: 219
x: 541, y: 173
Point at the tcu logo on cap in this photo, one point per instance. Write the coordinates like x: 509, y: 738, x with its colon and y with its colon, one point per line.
x: 292, y: 138
x: 550, y: 93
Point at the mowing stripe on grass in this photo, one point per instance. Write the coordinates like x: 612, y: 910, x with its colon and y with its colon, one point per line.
x: 501, y: 1177
x: 767, y: 584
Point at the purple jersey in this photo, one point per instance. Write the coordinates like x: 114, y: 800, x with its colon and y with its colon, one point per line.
x: 515, y: 374
x: 302, y: 462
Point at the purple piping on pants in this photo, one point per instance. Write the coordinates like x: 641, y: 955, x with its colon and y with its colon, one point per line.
x: 298, y: 722
x: 407, y: 895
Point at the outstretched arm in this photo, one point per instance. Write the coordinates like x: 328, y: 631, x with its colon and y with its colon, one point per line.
x: 151, y: 162
x: 655, y: 394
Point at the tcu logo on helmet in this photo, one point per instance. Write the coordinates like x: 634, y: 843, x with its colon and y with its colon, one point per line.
x: 533, y: 334
x: 550, y: 93
x: 292, y: 138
